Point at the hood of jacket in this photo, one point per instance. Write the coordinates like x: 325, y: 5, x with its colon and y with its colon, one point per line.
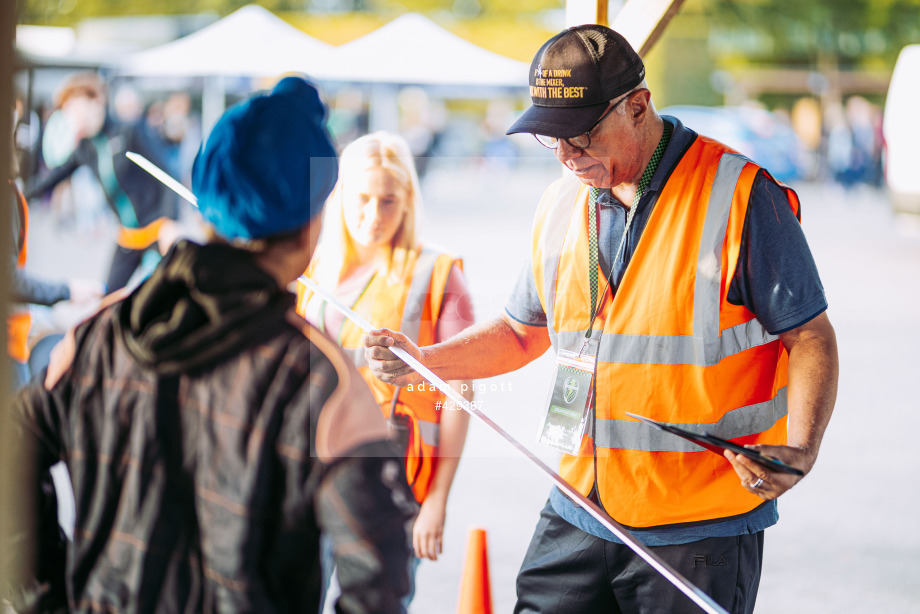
x: 201, y: 305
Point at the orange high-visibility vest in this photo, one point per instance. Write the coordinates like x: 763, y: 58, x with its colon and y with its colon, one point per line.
x: 19, y: 321
x: 412, y: 306
x: 672, y: 347
x: 140, y: 238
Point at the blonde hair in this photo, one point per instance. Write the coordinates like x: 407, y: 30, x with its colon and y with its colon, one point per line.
x: 336, y: 251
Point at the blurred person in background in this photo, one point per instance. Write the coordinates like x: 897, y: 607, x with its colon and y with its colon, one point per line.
x: 27, y: 289
x: 211, y: 434
x: 30, y: 356
x: 180, y: 133
x: 26, y: 137
x: 498, y: 150
x: 854, y: 143
x: 145, y: 208
x: 127, y: 104
x: 806, y: 121
x: 371, y: 258
x: 864, y: 119
x: 421, y: 123
x: 349, y: 115
x: 177, y: 134
x: 838, y: 143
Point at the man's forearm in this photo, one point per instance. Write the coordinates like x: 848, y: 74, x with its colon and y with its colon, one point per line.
x: 813, y: 372
x: 27, y: 288
x: 486, y: 350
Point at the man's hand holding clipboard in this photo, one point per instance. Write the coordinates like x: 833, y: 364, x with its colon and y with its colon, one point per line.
x: 757, y: 478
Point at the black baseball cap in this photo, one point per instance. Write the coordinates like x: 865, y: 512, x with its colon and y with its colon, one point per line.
x: 574, y: 76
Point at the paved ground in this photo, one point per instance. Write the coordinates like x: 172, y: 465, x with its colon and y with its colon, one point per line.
x: 846, y: 542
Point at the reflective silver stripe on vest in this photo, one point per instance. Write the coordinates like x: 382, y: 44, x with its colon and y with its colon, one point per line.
x: 430, y: 431
x: 673, y: 350
x: 418, y: 293
x: 706, y: 347
x: 741, y: 422
x: 552, y: 239
x: 709, y: 263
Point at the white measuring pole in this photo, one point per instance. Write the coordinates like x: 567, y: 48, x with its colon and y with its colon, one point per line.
x: 698, y: 596
x: 690, y: 590
x: 162, y: 176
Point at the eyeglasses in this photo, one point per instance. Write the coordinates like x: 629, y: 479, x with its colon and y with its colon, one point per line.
x: 582, y: 141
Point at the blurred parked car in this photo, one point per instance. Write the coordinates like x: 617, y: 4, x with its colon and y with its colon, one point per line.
x: 756, y: 133
x: 902, y: 132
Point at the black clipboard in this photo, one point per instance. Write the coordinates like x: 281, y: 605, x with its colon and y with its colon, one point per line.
x: 718, y: 445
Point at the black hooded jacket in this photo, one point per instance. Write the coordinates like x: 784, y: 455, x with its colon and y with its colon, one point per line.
x: 187, y: 421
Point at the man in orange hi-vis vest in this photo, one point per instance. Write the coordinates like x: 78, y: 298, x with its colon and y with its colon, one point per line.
x: 672, y: 279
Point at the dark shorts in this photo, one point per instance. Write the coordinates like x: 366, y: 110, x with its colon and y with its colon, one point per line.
x: 568, y: 571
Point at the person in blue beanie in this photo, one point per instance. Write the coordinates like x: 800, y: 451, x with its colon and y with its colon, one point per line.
x: 212, y: 435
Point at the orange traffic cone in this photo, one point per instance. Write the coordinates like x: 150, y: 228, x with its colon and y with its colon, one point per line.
x: 475, y: 589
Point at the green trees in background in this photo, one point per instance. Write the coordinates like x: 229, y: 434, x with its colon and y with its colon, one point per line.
x: 68, y: 12
x: 847, y: 33
x: 712, y: 46
x: 844, y: 33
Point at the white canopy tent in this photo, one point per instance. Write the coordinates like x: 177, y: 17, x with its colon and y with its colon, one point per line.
x: 250, y: 42
x: 412, y: 49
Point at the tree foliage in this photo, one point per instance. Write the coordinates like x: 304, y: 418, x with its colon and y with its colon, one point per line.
x: 69, y: 12
x: 794, y: 32
x: 844, y: 33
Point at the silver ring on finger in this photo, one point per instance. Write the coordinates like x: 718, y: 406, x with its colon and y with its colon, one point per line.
x: 758, y: 483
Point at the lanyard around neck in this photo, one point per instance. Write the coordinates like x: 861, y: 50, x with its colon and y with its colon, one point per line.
x: 644, y: 182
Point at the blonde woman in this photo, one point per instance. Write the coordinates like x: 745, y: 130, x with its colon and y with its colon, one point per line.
x: 370, y: 257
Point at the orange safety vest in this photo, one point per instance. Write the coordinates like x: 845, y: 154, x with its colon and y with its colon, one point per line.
x: 411, y: 306
x: 140, y: 238
x: 19, y: 321
x: 672, y: 347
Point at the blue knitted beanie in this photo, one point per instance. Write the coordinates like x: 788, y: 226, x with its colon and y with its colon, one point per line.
x: 268, y: 165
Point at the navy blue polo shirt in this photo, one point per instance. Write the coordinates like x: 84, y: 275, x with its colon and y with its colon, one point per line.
x: 776, y: 279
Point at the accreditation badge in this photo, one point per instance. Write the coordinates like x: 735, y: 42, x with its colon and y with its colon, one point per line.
x: 570, y: 399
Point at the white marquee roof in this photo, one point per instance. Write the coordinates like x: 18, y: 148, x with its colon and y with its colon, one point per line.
x: 412, y: 49
x: 249, y: 42
x: 253, y: 42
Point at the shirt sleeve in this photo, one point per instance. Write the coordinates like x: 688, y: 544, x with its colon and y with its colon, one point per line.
x: 456, y: 306
x: 776, y: 277
x: 524, y: 304
x: 27, y: 288
x: 39, y: 186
